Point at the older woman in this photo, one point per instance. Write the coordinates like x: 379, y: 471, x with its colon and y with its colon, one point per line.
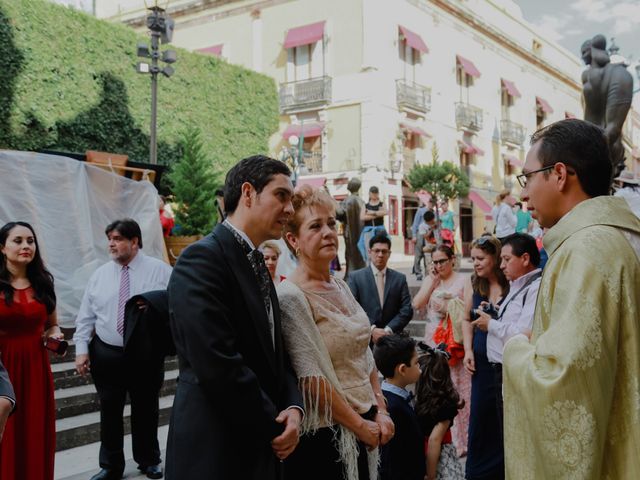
x: 485, y: 454
x: 327, y: 336
x: 27, y: 318
x: 442, y: 285
x: 271, y: 253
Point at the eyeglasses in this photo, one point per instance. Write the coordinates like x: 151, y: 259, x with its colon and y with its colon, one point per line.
x: 484, y: 242
x: 523, y: 177
x: 440, y: 262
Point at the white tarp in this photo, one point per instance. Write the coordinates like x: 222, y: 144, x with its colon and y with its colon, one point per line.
x: 69, y: 204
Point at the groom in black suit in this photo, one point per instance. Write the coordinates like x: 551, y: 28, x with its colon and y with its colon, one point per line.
x: 382, y: 292
x: 237, y: 409
x: 7, y: 398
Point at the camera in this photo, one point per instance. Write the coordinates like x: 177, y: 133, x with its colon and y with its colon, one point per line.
x: 490, y: 310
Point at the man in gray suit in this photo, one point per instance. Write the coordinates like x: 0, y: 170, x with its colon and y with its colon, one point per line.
x: 382, y: 292
x: 7, y: 398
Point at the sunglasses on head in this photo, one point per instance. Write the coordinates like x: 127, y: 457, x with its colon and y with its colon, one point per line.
x: 485, y: 242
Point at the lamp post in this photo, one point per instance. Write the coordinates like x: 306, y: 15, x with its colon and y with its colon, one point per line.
x: 294, y: 155
x: 161, y: 28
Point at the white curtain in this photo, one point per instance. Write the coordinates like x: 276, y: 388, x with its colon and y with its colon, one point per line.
x: 69, y: 204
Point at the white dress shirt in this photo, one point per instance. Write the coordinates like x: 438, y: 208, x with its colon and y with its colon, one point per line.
x: 505, y: 219
x: 99, y: 308
x: 515, y: 317
x: 384, y: 282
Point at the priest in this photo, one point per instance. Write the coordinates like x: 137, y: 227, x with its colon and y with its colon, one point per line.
x: 571, y: 390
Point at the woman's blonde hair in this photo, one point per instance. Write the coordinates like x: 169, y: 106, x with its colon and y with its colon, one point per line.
x: 492, y: 246
x: 305, y: 198
x: 502, y: 195
x: 272, y: 246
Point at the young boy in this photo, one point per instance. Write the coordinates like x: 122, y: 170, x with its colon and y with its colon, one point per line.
x: 403, y: 457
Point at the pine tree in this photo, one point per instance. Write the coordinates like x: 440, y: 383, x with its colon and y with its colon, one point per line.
x: 193, y: 185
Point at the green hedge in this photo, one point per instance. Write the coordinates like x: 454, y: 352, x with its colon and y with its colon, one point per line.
x: 68, y: 82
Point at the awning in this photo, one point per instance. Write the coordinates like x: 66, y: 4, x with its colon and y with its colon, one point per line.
x: 414, y: 40
x: 424, y: 196
x: 316, y: 182
x: 470, y: 148
x: 213, y: 50
x: 310, y: 130
x: 415, y: 130
x: 304, y: 35
x: 544, y: 105
x: 479, y: 201
x: 511, y: 88
x: 468, y: 66
x: 513, y: 160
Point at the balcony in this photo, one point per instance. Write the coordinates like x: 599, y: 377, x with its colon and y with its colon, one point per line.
x: 305, y: 94
x: 512, y: 133
x: 468, y: 117
x: 412, y: 96
x: 408, y: 160
x: 312, y: 162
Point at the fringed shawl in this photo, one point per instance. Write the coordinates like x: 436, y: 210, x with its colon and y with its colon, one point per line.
x: 312, y: 363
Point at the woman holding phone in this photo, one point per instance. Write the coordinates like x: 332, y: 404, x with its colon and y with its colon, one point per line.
x: 28, y: 322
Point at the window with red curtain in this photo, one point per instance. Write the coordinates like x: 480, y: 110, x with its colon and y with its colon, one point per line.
x: 393, y: 215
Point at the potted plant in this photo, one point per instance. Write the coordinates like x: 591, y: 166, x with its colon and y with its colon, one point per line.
x: 192, y: 183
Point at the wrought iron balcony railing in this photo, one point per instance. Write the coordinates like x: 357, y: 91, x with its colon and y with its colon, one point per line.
x: 408, y: 160
x: 312, y: 162
x: 413, y: 96
x: 305, y: 94
x: 468, y: 117
x: 512, y: 132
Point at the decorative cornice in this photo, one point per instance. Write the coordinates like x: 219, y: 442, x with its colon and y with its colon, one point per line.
x: 504, y: 42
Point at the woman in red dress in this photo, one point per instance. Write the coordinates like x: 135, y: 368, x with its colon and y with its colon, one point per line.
x: 27, y: 317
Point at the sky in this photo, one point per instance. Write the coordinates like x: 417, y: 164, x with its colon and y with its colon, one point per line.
x: 571, y: 22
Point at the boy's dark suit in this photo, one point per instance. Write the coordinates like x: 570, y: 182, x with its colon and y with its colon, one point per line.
x: 396, y: 312
x: 403, y: 457
x: 233, y: 379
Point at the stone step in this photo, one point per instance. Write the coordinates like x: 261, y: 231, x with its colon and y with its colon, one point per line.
x: 81, y: 463
x: 83, y: 399
x: 65, y: 375
x: 83, y: 429
x: 416, y: 328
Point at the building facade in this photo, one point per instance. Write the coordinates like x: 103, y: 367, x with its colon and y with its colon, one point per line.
x: 367, y: 88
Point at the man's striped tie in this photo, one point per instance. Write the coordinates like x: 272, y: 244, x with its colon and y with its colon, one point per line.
x: 122, y: 298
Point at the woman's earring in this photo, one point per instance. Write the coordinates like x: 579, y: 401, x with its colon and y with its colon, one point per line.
x: 297, y: 252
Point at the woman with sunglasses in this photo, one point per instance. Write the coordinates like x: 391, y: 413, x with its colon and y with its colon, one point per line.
x: 488, y: 285
x: 442, y: 285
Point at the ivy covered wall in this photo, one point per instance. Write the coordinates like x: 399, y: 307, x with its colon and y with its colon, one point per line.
x: 68, y: 82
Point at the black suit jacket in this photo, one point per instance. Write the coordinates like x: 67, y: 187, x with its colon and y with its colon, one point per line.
x: 396, y: 312
x: 6, y: 389
x: 403, y: 457
x: 233, y: 382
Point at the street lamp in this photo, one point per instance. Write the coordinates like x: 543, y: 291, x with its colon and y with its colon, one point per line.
x: 293, y: 155
x: 161, y: 28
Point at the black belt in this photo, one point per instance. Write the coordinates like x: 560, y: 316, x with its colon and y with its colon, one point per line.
x: 496, y: 366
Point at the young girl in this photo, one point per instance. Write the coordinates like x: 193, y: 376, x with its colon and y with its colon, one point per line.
x: 437, y: 404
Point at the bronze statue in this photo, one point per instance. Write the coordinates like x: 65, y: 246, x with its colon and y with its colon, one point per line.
x: 607, y: 90
x: 349, y: 215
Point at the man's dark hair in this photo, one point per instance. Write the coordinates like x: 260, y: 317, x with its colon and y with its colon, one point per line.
x: 258, y: 170
x: 522, y: 243
x: 428, y: 216
x: 126, y: 227
x: 583, y: 147
x: 219, y: 192
x: 518, y: 204
x: 374, y: 189
x: 379, y: 238
x: 391, y: 351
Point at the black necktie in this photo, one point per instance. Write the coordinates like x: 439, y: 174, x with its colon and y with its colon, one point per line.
x: 256, y: 259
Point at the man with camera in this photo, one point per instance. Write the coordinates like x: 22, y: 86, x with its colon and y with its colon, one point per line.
x: 520, y: 259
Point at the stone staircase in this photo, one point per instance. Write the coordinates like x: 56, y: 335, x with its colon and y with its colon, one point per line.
x: 77, y: 405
